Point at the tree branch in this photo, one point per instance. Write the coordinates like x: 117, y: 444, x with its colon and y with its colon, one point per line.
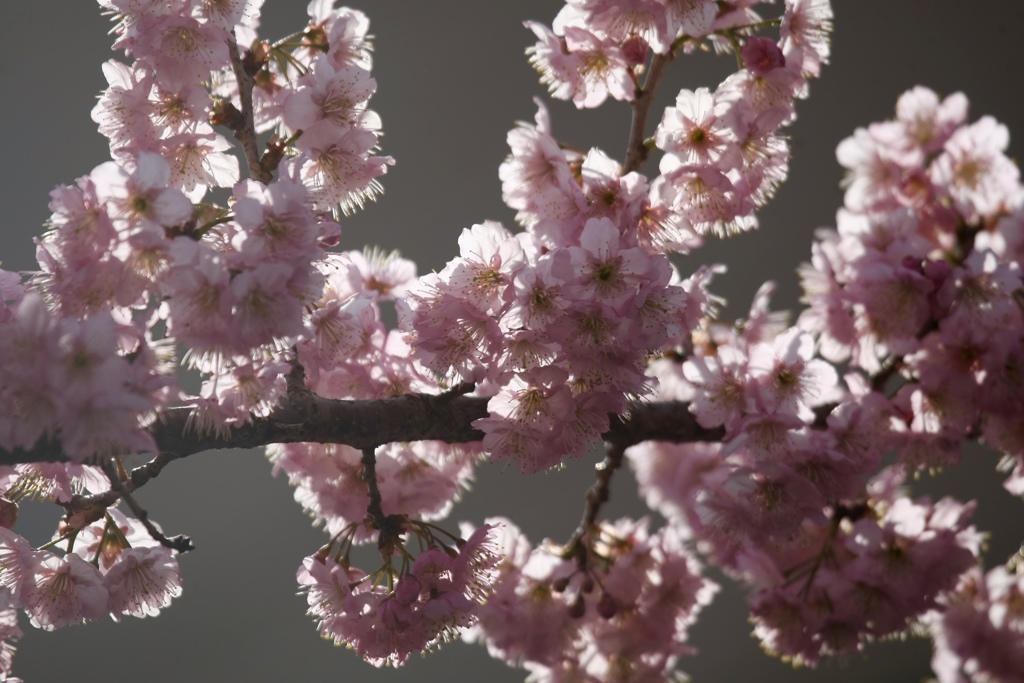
x: 246, y: 132
x: 597, y: 495
x: 305, y: 417
x: 636, y: 150
x: 389, y: 527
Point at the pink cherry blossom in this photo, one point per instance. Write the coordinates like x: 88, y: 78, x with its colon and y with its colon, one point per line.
x: 142, y: 582
x: 973, y: 171
x: 337, y: 96
x: 199, y: 160
x: 64, y: 592
x: 723, y: 380
x: 805, y: 28
x: 580, y: 65
x: 696, y: 130
x: 790, y: 379
x: 346, y: 31
x: 340, y: 170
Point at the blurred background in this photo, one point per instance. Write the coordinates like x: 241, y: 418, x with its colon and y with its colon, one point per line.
x: 452, y: 80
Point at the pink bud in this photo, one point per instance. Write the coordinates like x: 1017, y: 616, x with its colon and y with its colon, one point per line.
x: 762, y: 55
x: 607, y: 606
x: 578, y: 608
x: 635, y: 50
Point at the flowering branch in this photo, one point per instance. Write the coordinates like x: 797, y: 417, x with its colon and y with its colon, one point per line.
x: 306, y: 417
x: 561, y: 325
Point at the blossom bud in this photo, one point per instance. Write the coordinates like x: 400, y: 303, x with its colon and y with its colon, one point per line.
x: 226, y: 114
x: 762, y: 55
x: 316, y: 38
x: 578, y: 608
x: 255, y: 59
x: 607, y: 606
x: 635, y: 50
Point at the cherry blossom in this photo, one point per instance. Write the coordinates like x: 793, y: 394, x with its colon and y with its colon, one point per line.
x: 64, y: 592
x: 427, y: 603
x: 143, y: 582
x: 573, y: 327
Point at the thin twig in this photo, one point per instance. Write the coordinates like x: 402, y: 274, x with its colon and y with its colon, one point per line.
x: 246, y: 133
x: 374, y: 509
x: 597, y: 495
x: 636, y: 151
x: 181, y: 543
x: 389, y: 527
x: 137, y: 478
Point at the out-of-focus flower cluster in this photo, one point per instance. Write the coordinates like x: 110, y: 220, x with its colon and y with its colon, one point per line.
x: 918, y: 291
x: 95, y: 382
x: 921, y: 278
x: 623, y: 616
x: 979, y: 634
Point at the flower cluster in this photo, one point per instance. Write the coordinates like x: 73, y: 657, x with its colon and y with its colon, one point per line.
x: 980, y: 631
x: 420, y: 480
x: 557, y: 336
x: 623, y: 616
x: 112, y: 566
x: 313, y: 89
x: 389, y: 614
x: 555, y: 323
x: 130, y: 239
x: 916, y: 289
x: 109, y: 564
x: 93, y: 384
x: 921, y: 276
x: 724, y: 157
x: 348, y: 353
x: 826, y: 577
x: 871, y: 577
x: 134, y: 270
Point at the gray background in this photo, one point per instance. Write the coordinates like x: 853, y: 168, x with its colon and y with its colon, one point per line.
x: 452, y: 80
